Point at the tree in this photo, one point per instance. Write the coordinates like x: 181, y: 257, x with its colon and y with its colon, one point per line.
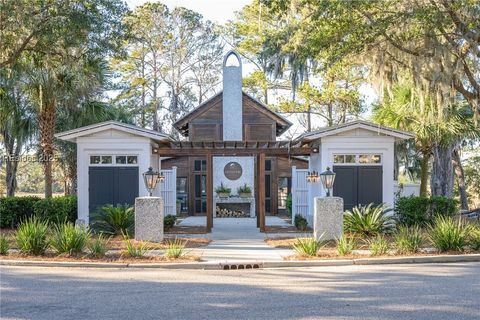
x: 436, y: 42
x: 174, y: 60
x: 336, y: 99
x: 401, y: 109
x: 17, y: 121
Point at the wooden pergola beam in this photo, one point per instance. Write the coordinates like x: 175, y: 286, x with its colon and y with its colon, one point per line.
x: 295, y: 151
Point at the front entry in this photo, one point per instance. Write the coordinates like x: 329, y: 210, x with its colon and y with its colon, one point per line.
x: 112, y: 185
x: 358, y: 185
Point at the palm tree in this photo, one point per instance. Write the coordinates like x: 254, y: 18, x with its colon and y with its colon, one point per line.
x: 436, y: 134
x: 17, y: 122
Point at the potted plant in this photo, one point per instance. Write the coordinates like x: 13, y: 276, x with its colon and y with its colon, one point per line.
x: 222, y: 191
x: 244, y: 191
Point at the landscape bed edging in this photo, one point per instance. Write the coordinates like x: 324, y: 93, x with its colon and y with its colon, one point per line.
x: 266, y: 264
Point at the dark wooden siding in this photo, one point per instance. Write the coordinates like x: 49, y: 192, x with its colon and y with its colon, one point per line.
x: 257, y: 125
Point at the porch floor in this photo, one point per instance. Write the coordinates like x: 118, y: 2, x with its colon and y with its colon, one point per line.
x: 235, y: 222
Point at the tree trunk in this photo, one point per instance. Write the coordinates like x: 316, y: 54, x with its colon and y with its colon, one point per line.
x: 46, y: 121
x: 460, y: 175
x: 441, y: 181
x: 309, y: 119
x: 11, y: 163
x: 424, y: 173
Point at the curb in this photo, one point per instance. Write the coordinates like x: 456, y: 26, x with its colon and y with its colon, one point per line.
x: 265, y: 264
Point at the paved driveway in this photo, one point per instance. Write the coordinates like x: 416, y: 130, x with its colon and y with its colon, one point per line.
x: 442, y: 291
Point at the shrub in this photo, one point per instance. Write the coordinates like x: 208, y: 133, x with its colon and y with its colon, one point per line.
x: 169, y: 221
x: 300, y: 222
x: 116, y: 220
x: 408, y: 239
x: 135, y: 250
x: 13, y: 210
x: 448, y: 233
x: 98, y: 246
x: 68, y: 238
x: 288, y: 204
x: 57, y: 209
x: 307, y: 246
x: 3, y: 245
x: 346, y: 244
x: 378, y: 245
x: 474, y: 238
x: 368, y: 220
x: 175, y: 248
x: 32, y: 236
x: 423, y: 211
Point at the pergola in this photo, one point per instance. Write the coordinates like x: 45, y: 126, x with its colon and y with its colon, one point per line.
x: 259, y: 149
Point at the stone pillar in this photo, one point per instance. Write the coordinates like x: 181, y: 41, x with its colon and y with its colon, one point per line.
x: 149, y: 219
x: 328, y: 218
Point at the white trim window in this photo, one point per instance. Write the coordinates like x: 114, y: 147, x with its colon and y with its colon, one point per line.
x: 113, y: 160
x: 362, y: 159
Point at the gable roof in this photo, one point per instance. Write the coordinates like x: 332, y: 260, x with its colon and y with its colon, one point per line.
x: 361, y: 124
x: 72, y: 135
x: 182, y: 124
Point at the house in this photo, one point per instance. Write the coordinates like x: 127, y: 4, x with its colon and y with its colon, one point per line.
x: 233, y: 140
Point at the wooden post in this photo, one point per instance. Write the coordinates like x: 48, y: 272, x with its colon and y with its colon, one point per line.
x: 209, y: 192
x: 261, y: 192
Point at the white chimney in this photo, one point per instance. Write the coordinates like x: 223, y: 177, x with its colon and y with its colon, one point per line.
x: 232, y: 97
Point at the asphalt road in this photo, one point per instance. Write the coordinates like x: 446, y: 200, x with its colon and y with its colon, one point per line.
x: 435, y: 291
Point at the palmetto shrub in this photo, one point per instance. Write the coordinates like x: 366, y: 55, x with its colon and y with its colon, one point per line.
x: 98, y: 246
x: 346, y: 244
x: 32, y: 236
x: 3, y: 245
x: 68, y: 238
x: 115, y: 220
x: 175, y: 248
x: 378, y: 245
x: 448, y: 233
x: 408, y: 239
x: 368, y: 220
x: 134, y: 250
x: 308, y: 246
x: 474, y: 238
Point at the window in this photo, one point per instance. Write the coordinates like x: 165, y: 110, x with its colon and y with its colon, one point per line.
x: 363, y: 159
x: 200, y: 165
x: 113, y: 160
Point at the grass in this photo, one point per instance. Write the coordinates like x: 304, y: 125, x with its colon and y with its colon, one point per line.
x: 98, y: 246
x: 175, y: 248
x: 346, y: 244
x: 448, y: 233
x: 133, y: 249
x: 308, y: 246
x: 474, y: 238
x: 32, y: 236
x: 408, y: 239
x: 378, y: 245
x: 69, y: 239
x: 4, y: 246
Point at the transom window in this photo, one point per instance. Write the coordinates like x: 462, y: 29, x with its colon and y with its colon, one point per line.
x: 362, y: 159
x: 113, y: 160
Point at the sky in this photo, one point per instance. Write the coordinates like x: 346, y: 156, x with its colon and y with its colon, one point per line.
x: 219, y: 11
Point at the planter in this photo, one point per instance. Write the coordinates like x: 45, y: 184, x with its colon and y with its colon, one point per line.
x: 223, y: 194
x: 245, y: 194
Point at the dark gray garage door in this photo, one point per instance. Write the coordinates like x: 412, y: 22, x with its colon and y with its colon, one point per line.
x: 112, y: 185
x: 358, y: 185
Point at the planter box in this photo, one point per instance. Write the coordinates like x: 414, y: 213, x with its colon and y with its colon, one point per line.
x: 245, y: 195
x: 223, y: 194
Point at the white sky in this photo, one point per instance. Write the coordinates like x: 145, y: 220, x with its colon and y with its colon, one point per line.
x: 219, y: 11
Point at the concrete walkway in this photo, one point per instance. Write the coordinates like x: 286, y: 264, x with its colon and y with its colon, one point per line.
x: 238, y: 240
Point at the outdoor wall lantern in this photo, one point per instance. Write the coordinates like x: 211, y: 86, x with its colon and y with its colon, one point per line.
x: 328, y: 178
x: 312, y: 176
x: 151, y: 179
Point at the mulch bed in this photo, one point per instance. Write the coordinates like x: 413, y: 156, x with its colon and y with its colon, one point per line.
x: 117, y: 243
x: 187, y: 230
x: 110, y: 257
x: 285, y: 229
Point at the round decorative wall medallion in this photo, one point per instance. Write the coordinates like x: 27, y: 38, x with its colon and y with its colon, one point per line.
x: 232, y: 170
